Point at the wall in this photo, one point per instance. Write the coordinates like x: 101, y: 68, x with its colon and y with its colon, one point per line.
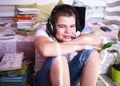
x: 6, y: 10
x: 16, y: 2
x: 7, y: 6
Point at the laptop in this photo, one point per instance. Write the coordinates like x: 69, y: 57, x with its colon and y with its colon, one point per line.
x: 81, y: 15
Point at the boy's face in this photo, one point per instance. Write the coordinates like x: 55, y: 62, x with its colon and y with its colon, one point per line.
x: 66, y: 28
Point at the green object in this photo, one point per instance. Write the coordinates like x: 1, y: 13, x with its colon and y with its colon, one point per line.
x: 60, y: 2
x: 115, y: 75
x: 34, y: 5
x: 26, y: 32
x: 96, y: 32
x: 45, y: 10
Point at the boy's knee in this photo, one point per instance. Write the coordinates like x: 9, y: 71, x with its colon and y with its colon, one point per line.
x: 60, y: 58
x: 94, y: 57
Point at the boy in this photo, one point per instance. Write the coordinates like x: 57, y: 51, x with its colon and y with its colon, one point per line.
x: 54, y: 64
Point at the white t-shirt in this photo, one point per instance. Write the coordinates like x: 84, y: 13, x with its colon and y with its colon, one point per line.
x: 39, y: 60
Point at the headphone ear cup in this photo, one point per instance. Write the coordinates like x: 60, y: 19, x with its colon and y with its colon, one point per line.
x: 51, y: 28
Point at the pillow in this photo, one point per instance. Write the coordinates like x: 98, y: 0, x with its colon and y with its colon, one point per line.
x: 112, y: 11
x: 45, y: 11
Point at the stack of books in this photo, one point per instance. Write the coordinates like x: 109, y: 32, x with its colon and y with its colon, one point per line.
x: 15, y: 76
x: 26, y: 18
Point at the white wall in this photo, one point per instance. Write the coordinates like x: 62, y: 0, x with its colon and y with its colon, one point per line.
x: 10, y: 4
x: 7, y: 6
x: 51, y: 1
x: 13, y: 2
x: 6, y: 11
x: 18, y: 2
x: 94, y: 2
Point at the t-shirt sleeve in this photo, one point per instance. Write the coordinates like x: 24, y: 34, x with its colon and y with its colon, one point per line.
x: 42, y: 32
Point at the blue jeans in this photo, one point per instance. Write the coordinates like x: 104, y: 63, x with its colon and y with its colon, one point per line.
x: 75, y: 67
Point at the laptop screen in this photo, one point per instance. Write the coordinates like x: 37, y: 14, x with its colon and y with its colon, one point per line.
x: 81, y: 15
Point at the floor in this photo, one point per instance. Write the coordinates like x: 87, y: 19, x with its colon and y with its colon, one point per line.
x: 105, y: 80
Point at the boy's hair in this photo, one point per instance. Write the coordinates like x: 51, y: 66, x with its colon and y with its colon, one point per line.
x: 61, y: 10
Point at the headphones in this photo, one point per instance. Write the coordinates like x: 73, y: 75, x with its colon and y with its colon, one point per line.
x: 51, y: 29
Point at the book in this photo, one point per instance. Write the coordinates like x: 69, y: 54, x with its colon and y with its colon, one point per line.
x: 25, y: 32
x: 18, y: 17
x: 11, y: 61
x: 21, y: 71
x: 13, y: 83
x: 25, y: 23
x: 28, y: 11
x: 20, y: 78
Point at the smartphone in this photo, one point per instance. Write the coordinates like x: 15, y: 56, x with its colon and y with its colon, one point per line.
x: 105, y: 29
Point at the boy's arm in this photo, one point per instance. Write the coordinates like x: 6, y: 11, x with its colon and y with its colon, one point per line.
x: 47, y: 48
x: 87, y: 39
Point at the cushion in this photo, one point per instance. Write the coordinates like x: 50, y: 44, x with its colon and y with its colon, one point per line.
x: 112, y: 11
x: 45, y: 11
